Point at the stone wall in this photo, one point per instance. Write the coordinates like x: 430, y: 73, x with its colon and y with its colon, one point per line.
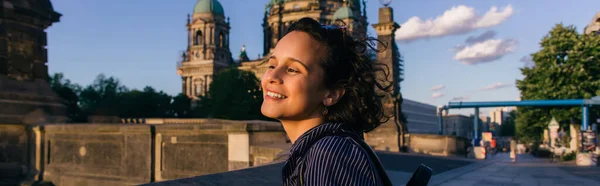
x: 14, y: 152
x: 437, y: 144
x: 97, y: 154
x: 131, y: 154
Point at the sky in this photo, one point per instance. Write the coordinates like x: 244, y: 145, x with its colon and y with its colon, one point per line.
x: 453, y: 49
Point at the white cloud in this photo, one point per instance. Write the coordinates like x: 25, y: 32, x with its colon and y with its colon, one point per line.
x: 461, y: 98
x: 438, y: 87
x: 458, y: 20
x: 485, y: 51
x: 436, y: 95
x: 496, y: 86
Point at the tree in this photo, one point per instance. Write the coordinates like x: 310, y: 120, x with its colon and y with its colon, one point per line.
x: 69, y: 93
x: 103, y: 96
x: 233, y: 94
x: 566, y: 67
x: 181, y: 106
x: 508, y: 126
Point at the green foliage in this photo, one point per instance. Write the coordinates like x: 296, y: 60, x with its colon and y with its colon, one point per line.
x: 181, y: 106
x: 103, y: 97
x: 566, y: 67
x: 508, y: 127
x: 234, y: 94
x: 69, y: 93
x: 146, y: 103
x: 568, y: 157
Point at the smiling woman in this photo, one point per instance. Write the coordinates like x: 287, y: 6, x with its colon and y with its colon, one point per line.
x: 322, y: 88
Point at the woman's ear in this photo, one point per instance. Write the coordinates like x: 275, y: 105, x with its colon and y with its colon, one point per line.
x: 333, y: 96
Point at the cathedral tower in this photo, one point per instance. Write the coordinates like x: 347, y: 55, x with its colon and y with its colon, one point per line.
x: 280, y: 14
x: 389, y: 54
x: 25, y: 96
x: 208, y: 48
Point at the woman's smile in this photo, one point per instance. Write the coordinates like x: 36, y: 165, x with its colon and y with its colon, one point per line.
x: 274, y: 96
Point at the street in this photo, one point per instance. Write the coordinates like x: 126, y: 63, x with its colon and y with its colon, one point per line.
x: 528, y: 170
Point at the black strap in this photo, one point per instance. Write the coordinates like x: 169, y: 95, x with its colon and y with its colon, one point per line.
x: 385, y: 179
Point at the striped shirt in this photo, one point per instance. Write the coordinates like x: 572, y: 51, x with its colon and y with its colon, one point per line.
x: 325, y: 159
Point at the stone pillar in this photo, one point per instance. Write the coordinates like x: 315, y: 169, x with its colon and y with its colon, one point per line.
x: 183, y: 85
x: 238, y: 151
x: 38, y: 159
x: 158, y: 146
x: 188, y: 86
x: 575, y: 134
x: 386, y: 29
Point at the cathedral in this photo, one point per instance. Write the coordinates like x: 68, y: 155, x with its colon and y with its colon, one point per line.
x: 208, y: 49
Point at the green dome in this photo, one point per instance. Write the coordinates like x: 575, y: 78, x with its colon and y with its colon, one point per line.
x: 343, y: 13
x: 209, y: 6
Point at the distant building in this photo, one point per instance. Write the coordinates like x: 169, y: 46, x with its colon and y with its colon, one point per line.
x: 421, y: 118
x: 458, y: 125
x: 594, y: 26
x: 486, y: 123
x: 499, y: 115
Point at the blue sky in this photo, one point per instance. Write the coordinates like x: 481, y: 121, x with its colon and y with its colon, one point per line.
x: 139, y: 41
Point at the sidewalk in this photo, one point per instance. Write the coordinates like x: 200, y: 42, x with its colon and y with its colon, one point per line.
x: 528, y: 170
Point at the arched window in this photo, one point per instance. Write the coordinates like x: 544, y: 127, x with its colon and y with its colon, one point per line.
x: 198, y: 38
x: 221, y: 39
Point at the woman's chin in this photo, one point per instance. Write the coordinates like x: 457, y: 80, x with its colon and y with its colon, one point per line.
x: 270, y: 112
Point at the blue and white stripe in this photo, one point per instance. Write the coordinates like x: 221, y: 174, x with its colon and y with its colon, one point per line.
x: 325, y: 159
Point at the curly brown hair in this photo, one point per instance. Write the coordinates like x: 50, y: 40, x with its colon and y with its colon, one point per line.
x: 348, y: 66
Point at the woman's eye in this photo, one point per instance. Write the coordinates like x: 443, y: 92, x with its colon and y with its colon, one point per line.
x: 271, y: 67
x: 292, y: 70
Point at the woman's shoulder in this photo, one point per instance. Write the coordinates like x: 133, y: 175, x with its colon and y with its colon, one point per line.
x: 337, y: 146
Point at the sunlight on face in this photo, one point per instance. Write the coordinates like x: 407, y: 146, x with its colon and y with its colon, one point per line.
x: 292, y: 84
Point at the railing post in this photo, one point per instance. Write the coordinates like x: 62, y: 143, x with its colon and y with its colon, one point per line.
x: 476, y: 124
x: 441, y: 121
x: 584, y: 118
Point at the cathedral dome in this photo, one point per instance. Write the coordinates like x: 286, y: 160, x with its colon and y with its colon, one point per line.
x: 209, y: 6
x: 343, y: 13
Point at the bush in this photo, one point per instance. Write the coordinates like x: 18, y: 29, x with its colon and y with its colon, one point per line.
x: 542, y: 153
x: 568, y: 156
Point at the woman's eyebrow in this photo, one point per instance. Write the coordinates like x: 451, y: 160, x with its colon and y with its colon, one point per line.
x: 291, y: 59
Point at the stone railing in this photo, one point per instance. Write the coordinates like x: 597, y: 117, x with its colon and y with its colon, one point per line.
x: 385, y: 138
x: 437, y: 145
x: 131, y: 154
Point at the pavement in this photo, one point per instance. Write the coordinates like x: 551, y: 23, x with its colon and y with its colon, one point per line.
x: 528, y: 170
x: 448, y: 171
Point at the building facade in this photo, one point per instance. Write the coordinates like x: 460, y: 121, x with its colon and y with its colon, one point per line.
x: 458, y: 125
x: 421, y: 118
x: 594, y: 26
x: 208, y: 50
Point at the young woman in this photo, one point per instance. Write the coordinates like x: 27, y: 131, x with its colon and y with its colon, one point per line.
x: 322, y: 88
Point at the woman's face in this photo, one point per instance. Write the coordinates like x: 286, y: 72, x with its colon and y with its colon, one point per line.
x: 292, y: 86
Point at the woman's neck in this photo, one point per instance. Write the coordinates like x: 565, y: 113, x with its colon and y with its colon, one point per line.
x: 295, y: 129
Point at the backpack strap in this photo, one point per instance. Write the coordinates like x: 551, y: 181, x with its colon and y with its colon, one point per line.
x: 385, y: 179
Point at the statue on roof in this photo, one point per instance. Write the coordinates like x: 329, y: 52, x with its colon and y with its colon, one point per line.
x: 243, y: 56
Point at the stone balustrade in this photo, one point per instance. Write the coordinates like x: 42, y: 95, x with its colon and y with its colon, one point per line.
x: 131, y: 154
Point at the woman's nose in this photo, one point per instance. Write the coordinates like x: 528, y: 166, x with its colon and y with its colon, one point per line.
x: 274, y: 76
